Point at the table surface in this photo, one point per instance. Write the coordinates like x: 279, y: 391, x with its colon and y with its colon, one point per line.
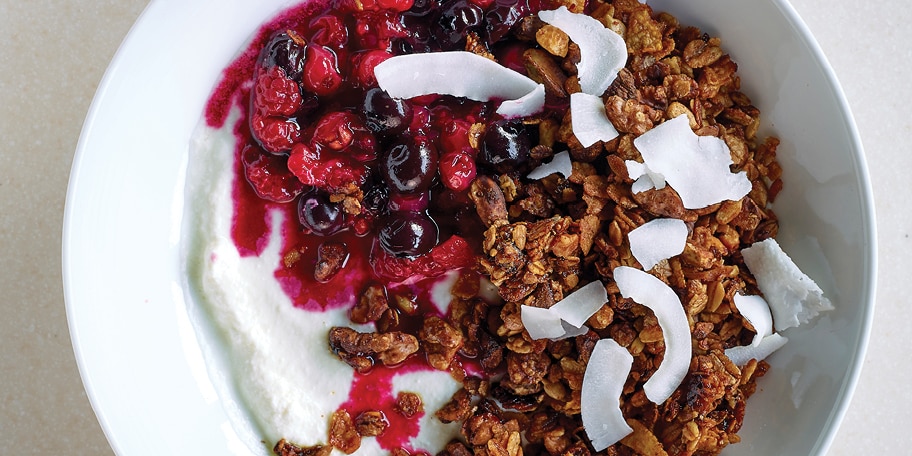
x: 52, y: 58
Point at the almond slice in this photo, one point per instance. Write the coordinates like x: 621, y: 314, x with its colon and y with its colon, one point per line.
x: 655, y: 294
x: 607, y: 371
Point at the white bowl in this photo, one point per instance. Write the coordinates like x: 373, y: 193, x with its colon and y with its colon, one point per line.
x: 141, y: 360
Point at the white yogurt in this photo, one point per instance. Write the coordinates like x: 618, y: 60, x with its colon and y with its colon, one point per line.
x: 280, y: 359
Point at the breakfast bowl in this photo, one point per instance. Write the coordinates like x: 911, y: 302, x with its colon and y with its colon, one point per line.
x: 155, y: 365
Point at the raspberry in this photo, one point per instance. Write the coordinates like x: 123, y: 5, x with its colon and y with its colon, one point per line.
x: 377, y: 30
x: 321, y: 70
x: 452, y: 254
x: 364, y: 63
x: 454, y: 134
x: 269, y: 176
x: 330, y: 173
x: 275, y: 134
x: 457, y: 169
x: 329, y: 31
x: 344, y: 130
x: 275, y: 94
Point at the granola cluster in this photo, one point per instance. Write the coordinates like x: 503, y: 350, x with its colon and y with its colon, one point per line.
x: 545, y: 238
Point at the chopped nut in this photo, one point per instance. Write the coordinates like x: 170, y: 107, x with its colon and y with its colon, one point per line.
x: 553, y: 40
x: 284, y: 448
x: 342, y: 432
x: 371, y: 423
x: 408, y: 404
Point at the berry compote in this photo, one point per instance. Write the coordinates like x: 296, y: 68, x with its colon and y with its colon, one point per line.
x: 373, y: 190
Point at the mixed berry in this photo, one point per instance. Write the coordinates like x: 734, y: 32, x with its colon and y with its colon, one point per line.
x: 324, y: 137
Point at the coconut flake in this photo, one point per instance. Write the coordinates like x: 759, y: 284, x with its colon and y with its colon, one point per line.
x: 566, y: 317
x: 541, y: 323
x: 600, y: 407
x: 589, y: 121
x: 602, y: 51
x: 526, y: 105
x: 559, y: 164
x: 741, y: 355
x: 697, y: 167
x: 578, y: 306
x: 792, y: 296
x: 655, y: 294
x: 645, y: 177
x: 457, y: 73
x: 757, y: 312
x: 657, y: 240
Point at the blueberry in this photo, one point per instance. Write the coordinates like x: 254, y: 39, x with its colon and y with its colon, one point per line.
x: 285, y: 51
x: 501, y: 17
x: 319, y: 215
x: 505, y: 144
x: 408, y: 234
x: 410, y: 165
x: 455, y: 20
x: 385, y: 115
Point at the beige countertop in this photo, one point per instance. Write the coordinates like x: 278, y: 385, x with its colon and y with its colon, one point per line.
x: 54, y: 54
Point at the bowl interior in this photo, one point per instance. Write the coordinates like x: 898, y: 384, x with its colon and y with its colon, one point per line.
x: 141, y: 360
x: 826, y: 218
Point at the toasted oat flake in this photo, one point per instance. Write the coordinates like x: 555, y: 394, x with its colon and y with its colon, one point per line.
x: 757, y: 312
x: 588, y: 119
x: 741, y: 355
x: 657, y: 240
x: 697, y: 167
x: 602, y: 51
x: 792, y: 296
x: 651, y: 292
x: 560, y: 164
x: 457, y: 73
x: 607, y: 371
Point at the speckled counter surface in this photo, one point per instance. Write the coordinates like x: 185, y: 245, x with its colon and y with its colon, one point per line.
x: 54, y: 53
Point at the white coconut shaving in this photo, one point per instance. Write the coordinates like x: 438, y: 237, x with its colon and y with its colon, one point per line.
x: 602, y: 51
x: 651, y: 292
x: 697, y: 167
x: 756, y: 311
x: 657, y: 240
x: 541, y: 323
x: 527, y: 105
x: 741, y: 355
x: 600, y: 408
x: 589, y: 121
x: 793, y: 297
x: 559, y: 164
x: 566, y: 318
x: 460, y: 74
